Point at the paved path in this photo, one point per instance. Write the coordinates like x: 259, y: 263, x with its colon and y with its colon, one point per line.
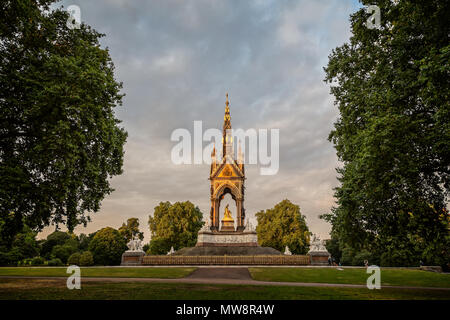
x: 207, y: 277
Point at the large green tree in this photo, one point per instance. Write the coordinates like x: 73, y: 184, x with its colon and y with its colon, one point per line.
x: 60, y: 141
x: 391, y: 85
x: 175, y: 225
x: 282, y: 226
x: 107, y: 247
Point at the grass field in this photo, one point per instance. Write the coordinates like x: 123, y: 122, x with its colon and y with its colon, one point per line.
x: 391, y: 277
x: 56, y: 289
x: 115, y: 272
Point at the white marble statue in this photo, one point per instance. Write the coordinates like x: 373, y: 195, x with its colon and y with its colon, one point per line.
x: 206, y: 227
x: 172, y: 251
x: 135, y: 244
x: 317, y: 245
x: 287, y: 251
x: 249, y: 226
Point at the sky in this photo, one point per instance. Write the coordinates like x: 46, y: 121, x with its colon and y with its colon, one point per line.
x: 178, y: 58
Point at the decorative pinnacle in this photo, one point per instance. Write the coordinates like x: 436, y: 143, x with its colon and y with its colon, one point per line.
x: 227, y: 118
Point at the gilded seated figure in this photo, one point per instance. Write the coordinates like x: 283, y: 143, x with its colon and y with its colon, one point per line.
x: 227, y: 221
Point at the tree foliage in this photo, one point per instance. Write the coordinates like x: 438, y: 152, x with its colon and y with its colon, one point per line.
x: 391, y: 85
x: 86, y: 259
x: 74, y: 259
x: 24, y: 246
x: 60, y: 141
x: 175, y: 224
x: 107, y: 247
x: 159, y: 246
x: 282, y: 226
x: 130, y: 229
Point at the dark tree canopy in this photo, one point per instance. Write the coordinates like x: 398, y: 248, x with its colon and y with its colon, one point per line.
x: 60, y: 141
x: 391, y: 85
x: 282, y: 226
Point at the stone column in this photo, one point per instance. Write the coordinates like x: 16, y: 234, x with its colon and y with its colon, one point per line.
x: 239, y: 218
x: 216, y: 220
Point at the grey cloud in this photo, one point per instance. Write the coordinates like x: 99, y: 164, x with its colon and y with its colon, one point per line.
x: 177, y: 59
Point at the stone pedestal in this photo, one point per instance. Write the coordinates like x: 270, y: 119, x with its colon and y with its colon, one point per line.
x: 227, y: 239
x: 319, y: 258
x: 227, y: 226
x: 132, y: 258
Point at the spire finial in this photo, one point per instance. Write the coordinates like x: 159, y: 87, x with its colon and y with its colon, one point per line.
x: 226, y: 102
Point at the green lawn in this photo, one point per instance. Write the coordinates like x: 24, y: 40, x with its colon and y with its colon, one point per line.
x: 118, y: 272
x: 392, y: 277
x: 30, y: 289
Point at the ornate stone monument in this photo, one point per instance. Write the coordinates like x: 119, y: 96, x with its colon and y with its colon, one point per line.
x: 227, y: 176
x: 318, y: 253
x: 227, y: 235
x: 133, y: 256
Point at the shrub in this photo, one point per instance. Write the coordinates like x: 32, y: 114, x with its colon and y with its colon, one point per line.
x: 347, y: 256
x: 24, y: 262
x: 11, y: 258
x: 107, y: 246
x: 63, y: 252
x: 358, y: 259
x: 159, y: 246
x: 54, y: 262
x: 398, y: 258
x: 86, y: 259
x: 53, y: 239
x: 74, y: 259
x: 37, y: 261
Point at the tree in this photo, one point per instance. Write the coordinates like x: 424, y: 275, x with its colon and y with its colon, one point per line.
x: 24, y: 246
x: 333, y: 248
x: 74, y: 259
x: 159, y: 246
x: 53, y: 239
x: 176, y: 224
x: 63, y: 252
x: 60, y: 141
x: 86, y: 259
x: 282, y: 226
x: 391, y: 86
x: 130, y: 229
x: 107, y: 247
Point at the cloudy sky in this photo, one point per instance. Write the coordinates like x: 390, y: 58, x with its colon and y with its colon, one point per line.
x: 178, y: 58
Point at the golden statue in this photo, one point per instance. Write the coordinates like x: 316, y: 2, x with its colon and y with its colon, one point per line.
x: 227, y: 216
x: 227, y: 221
